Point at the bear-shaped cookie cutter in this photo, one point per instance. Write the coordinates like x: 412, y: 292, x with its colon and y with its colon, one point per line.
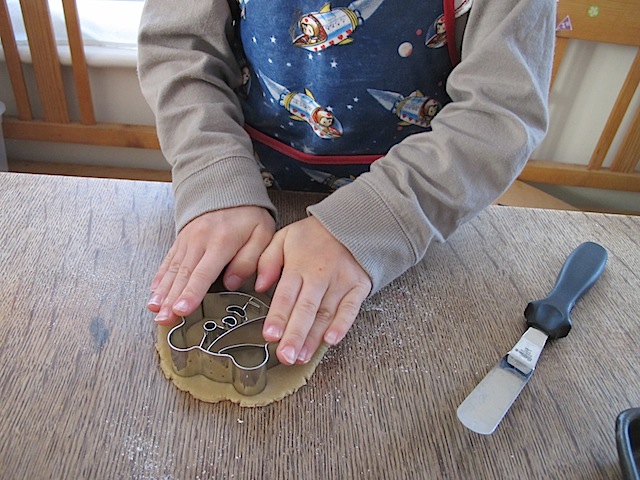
x: 222, y: 340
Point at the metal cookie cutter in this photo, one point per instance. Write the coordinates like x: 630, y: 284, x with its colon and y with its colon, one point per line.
x: 222, y: 340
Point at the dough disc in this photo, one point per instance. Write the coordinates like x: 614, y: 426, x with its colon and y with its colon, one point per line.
x: 282, y: 380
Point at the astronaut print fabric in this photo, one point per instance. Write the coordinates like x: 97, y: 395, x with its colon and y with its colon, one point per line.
x: 331, y: 87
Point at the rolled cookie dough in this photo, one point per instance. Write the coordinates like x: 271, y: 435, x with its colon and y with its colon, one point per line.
x: 282, y: 380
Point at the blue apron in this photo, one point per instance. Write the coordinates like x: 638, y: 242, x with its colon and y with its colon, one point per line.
x: 330, y: 88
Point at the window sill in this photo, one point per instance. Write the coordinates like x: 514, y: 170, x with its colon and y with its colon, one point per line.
x: 99, y: 57
x: 109, y: 31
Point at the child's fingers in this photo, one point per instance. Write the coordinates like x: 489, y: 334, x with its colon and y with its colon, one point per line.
x: 245, y: 262
x: 269, y: 268
x: 346, y: 314
x: 199, y: 281
x: 324, y: 318
x: 163, y: 280
x: 302, y: 317
x: 164, y: 266
x: 166, y: 316
x: 175, y: 281
x: 281, y: 307
x: 270, y: 263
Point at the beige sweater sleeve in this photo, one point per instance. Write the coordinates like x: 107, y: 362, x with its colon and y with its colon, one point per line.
x: 187, y: 73
x: 431, y: 183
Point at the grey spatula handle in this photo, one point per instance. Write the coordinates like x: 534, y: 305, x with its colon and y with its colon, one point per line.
x: 580, y: 271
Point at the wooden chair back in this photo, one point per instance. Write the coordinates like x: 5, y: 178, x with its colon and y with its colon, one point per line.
x: 613, y: 21
x: 56, y: 123
x: 616, y: 22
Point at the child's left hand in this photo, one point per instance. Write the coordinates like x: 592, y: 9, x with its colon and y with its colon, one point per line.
x: 319, y: 294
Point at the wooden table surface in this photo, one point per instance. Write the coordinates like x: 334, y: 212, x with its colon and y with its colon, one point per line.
x: 82, y: 395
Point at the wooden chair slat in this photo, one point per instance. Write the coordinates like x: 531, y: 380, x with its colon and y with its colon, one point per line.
x: 46, y: 63
x: 14, y: 65
x: 103, y: 134
x: 568, y: 174
x: 79, y: 63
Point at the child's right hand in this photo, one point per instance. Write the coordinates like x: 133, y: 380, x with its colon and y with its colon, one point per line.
x: 233, y: 236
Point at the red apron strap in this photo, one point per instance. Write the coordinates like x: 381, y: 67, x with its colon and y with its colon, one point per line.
x: 450, y: 26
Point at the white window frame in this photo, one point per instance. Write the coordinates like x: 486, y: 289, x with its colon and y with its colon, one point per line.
x: 109, y: 30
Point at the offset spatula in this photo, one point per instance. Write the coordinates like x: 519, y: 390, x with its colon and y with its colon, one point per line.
x: 488, y: 403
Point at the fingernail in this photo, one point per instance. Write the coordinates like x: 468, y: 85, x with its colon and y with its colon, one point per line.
x: 272, y: 333
x: 180, y: 306
x: 163, y: 316
x: 331, y: 338
x: 302, y: 356
x: 289, y: 354
x: 154, y: 301
x: 233, y: 282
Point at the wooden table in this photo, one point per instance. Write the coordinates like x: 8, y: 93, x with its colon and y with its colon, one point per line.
x: 82, y: 395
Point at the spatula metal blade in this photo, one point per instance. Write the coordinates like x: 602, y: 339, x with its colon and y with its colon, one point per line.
x: 487, y: 404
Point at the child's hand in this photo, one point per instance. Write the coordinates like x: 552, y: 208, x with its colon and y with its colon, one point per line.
x: 235, y: 236
x: 319, y: 293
